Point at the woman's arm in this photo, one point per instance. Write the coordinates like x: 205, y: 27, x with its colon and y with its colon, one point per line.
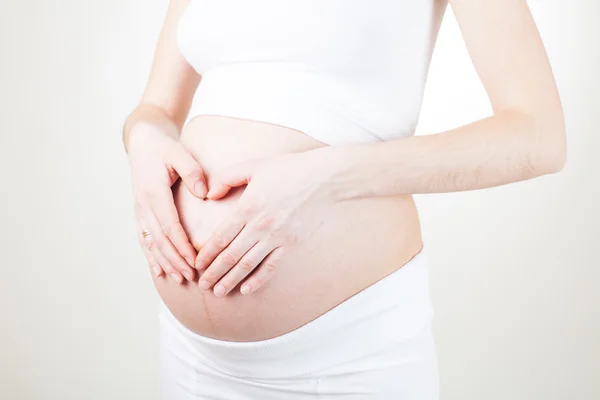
x: 525, y: 137
x: 172, y: 83
x: 157, y: 159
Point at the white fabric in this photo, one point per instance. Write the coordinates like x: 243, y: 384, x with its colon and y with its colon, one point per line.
x: 377, y: 344
x: 340, y: 71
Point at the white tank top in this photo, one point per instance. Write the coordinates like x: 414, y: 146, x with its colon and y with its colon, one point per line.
x: 339, y: 71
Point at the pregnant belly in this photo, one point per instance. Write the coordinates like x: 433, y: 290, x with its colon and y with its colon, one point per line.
x: 361, y: 242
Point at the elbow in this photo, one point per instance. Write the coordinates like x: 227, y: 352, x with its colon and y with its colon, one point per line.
x: 559, y: 160
x: 543, y: 140
x: 551, y: 146
x: 553, y: 161
x: 540, y: 130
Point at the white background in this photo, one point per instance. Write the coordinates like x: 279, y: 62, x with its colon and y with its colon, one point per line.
x: 515, y: 269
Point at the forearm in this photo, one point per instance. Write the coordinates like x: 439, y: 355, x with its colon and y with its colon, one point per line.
x: 504, y: 148
x: 149, y: 114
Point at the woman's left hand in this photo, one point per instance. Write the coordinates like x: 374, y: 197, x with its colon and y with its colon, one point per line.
x: 284, y: 203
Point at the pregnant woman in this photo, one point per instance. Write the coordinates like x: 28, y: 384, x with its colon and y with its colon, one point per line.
x: 280, y: 227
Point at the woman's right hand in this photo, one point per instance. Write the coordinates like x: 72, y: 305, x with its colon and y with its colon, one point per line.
x: 157, y: 160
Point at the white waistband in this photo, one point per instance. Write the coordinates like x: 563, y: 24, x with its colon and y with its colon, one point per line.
x: 279, y: 96
x: 392, y: 309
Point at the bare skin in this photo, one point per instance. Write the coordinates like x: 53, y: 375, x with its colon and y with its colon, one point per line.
x: 379, y: 236
x: 356, y: 221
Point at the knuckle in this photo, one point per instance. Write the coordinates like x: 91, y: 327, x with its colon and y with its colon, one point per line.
x: 270, y: 267
x: 276, y: 234
x: 209, y: 277
x: 229, y: 258
x: 201, y: 261
x: 192, y: 171
x: 219, y: 239
x: 265, y: 222
x: 248, y: 208
x: 246, y: 265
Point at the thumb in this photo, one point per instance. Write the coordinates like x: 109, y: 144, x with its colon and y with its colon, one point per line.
x: 229, y: 177
x: 189, y: 170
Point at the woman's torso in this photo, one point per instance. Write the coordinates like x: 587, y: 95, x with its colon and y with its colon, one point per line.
x: 360, y: 242
x: 289, y: 76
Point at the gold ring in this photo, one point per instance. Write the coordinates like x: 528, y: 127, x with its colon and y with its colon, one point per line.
x: 145, y: 233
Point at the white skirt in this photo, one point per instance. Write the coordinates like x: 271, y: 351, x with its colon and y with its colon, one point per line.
x: 378, y: 344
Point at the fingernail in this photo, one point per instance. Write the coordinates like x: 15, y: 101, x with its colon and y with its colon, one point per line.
x: 156, y: 270
x: 219, y: 290
x: 204, y: 285
x: 175, y: 277
x: 187, y: 275
x: 190, y: 262
x: 246, y: 288
x: 200, y: 189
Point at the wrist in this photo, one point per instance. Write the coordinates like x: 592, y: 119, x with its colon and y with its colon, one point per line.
x: 342, y: 171
x: 148, y: 118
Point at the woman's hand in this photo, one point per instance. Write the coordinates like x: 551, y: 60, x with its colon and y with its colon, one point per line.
x: 284, y: 203
x: 157, y: 160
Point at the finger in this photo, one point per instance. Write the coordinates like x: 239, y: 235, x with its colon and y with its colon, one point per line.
x: 170, y: 271
x: 164, y: 252
x: 226, y: 260
x: 218, y: 241
x: 151, y: 246
x: 164, y: 208
x: 190, y: 171
x: 244, y: 267
x: 226, y: 179
x: 154, y: 265
x: 263, y: 272
x: 140, y: 226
